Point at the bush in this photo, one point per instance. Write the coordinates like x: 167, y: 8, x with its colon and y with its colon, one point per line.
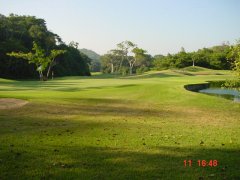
x: 141, y: 70
x: 124, y: 70
x: 233, y: 83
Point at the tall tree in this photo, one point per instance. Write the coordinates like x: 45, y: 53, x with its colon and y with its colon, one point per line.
x: 138, y: 54
x: 126, y: 47
x: 39, y: 58
x: 51, y: 59
x: 234, y: 57
x: 122, y: 50
x: 108, y: 63
x: 118, y: 58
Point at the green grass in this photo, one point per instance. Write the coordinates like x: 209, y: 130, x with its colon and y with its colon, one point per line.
x: 110, y: 127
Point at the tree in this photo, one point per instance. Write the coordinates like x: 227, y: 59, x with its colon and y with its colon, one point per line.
x: 74, y: 44
x: 193, y: 60
x: 71, y: 63
x: 122, y: 51
x: 119, y: 56
x: 105, y: 63
x: 182, y: 50
x: 125, y: 47
x: 39, y: 58
x: 160, y: 62
x: 108, y: 63
x: 51, y: 59
x: 182, y: 59
x: 234, y: 57
x: 139, y: 54
x: 110, y: 57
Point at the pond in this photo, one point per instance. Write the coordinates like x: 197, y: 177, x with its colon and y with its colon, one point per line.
x: 225, y: 93
x: 214, y: 88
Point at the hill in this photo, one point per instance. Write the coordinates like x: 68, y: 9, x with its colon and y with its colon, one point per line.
x: 95, y: 63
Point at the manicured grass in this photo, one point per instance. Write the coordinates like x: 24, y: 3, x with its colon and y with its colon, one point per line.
x: 110, y: 127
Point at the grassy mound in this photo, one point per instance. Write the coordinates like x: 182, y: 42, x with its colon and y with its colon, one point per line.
x: 196, y: 69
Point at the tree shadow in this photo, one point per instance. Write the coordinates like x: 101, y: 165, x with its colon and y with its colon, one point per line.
x: 119, y: 76
x: 91, y: 162
x: 45, y: 141
x: 53, y: 86
x: 94, y: 106
x: 149, y: 76
x: 184, y: 72
x: 58, y: 85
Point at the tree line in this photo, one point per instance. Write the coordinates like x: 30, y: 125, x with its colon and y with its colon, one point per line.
x: 127, y: 58
x: 214, y: 58
x: 26, y: 36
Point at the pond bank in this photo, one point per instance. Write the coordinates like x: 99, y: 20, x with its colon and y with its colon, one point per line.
x: 215, y: 88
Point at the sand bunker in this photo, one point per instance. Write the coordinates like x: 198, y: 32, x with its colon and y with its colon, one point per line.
x: 9, y: 103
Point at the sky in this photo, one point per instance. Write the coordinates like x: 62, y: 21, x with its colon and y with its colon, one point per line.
x: 159, y: 26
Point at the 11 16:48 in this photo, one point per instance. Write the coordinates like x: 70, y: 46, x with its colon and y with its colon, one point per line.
x: 202, y: 163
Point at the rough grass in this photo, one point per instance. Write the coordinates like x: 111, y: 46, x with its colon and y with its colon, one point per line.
x: 110, y: 127
x: 8, y: 103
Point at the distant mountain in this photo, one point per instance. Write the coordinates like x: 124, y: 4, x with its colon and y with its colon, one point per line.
x: 95, y: 63
x: 91, y: 54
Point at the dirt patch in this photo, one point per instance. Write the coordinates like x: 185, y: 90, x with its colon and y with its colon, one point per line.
x: 9, y: 103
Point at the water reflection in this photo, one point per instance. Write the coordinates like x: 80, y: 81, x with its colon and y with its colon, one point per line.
x: 226, y: 93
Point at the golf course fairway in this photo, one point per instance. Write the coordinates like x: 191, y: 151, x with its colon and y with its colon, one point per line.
x: 111, y: 127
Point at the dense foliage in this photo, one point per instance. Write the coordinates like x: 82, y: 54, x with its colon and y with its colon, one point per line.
x: 17, y: 34
x: 234, y: 58
x: 213, y: 58
x: 43, y: 62
x: 72, y: 63
x: 119, y: 60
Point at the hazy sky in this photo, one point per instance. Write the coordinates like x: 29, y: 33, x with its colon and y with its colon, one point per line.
x: 159, y: 26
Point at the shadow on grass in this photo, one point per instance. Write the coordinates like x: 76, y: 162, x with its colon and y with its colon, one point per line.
x: 148, y: 76
x: 94, y: 107
x: 39, y: 144
x: 53, y: 86
x: 183, y: 72
x: 86, y: 162
x: 58, y: 85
